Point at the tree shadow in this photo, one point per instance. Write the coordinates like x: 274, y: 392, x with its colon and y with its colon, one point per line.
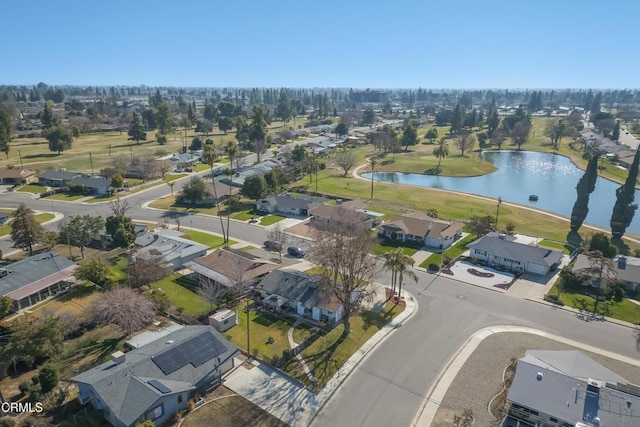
x: 36, y: 156
x: 623, y: 248
x: 433, y: 171
x: 574, y: 239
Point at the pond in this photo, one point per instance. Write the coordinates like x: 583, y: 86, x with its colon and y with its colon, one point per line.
x: 551, y: 177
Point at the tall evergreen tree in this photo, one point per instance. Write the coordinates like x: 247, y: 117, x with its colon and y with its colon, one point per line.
x: 6, y: 131
x: 625, y: 209
x: 585, y: 187
x: 136, y: 129
x: 25, y: 229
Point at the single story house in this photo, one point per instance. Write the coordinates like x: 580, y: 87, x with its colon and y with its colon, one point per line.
x: 288, y: 204
x: 225, y: 266
x: 156, y: 380
x: 33, y: 279
x: 169, y: 246
x: 301, y: 293
x: 222, y: 190
x: 498, y: 250
x: 16, y: 176
x: 93, y: 184
x: 419, y: 228
x: 626, y: 272
x: 59, y: 178
x: 327, y: 216
x: 568, y: 389
x: 180, y: 161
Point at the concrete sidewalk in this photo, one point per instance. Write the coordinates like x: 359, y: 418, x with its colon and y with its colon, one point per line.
x: 430, y: 405
x: 288, y: 399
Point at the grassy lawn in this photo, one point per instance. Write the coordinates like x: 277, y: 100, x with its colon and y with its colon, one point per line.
x: 388, y: 245
x: 261, y: 327
x: 245, y: 212
x: 207, y: 239
x: 172, y: 177
x: 420, y: 159
x: 32, y: 188
x: 327, y: 354
x: 117, y: 266
x: 556, y: 245
x: 41, y: 218
x: 201, y: 167
x: 271, y: 219
x: 453, y: 252
x: 65, y: 197
x: 180, y: 292
x: 624, y: 310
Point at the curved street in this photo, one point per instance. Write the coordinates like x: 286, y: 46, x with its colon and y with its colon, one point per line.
x: 388, y: 388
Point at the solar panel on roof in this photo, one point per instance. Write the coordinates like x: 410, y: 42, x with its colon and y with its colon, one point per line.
x: 159, y: 386
x: 196, y: 351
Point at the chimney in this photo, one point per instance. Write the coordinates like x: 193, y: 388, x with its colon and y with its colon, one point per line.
x: 118, y: 357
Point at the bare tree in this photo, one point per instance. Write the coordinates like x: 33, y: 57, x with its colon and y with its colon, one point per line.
x: 466, y: 142
x: 119, y: 207
x: 210, y: 290
x: 342, y: 251
x: 127, y: 309
x: 278, y: 233
x: 120, y: 164
x: 147, y: 271
x: 346, y: 160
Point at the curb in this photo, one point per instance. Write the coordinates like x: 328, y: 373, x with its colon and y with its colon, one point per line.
x: 427, y: 412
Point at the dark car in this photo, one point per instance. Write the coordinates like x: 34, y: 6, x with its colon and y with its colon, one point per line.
x: 272, y: 246
x: 295, y: 251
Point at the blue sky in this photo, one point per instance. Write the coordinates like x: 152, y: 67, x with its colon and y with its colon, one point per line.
x: 347, y: 43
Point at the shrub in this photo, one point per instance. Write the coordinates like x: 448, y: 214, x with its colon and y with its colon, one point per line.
x: 434, y: 267
x: 191, y: 405
x: 553, y: 298
x: 35, y: 380
x: 24, y: 387
x: 7, y: 422
x: 177, y: 416
x: 618, y: 293
x: 49, y: 377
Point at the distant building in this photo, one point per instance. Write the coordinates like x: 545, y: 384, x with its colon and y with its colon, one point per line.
x: 59, y: 178
x: 373, y: 96
x: 288, y: 204
x: 158, y: 379
x: 33, y: 279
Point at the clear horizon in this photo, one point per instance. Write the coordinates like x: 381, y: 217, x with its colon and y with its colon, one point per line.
x: 493, y: 45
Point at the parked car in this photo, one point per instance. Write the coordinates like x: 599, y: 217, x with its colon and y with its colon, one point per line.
x: 295, y: 251
x: 272, y: 246
x: 218, y: 172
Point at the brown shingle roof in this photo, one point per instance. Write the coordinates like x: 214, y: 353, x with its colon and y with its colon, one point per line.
x: 229, y: 263
x: 15, y: 173
x: 420, y: 224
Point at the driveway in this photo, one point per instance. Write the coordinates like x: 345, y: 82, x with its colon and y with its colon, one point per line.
x: 494, y: 277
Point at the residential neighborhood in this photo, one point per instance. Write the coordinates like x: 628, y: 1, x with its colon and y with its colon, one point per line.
x: 373, y: 240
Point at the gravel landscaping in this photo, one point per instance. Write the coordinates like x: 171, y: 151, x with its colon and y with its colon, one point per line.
x: 479, y: 380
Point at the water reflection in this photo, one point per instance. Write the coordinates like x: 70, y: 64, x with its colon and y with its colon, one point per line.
x: 552, y: 177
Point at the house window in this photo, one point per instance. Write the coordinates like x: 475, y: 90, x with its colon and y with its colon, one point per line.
x: 155, y: 413
x: 553, y: 420
x: 180, y: 398
x: 225, y: 321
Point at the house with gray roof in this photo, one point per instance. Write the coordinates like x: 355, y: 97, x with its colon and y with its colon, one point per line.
x: 59, y: 178
x: 625, y: 272
x: 168, y: 246
x: 93, y: 184
x: 568, y: 389
x: 227, y: 266
x: 34, y: 279
x: 157, y: 379
x: 421, y: 229
x: 498, y: 250
x: 288, y: 204
x: 302, y: 294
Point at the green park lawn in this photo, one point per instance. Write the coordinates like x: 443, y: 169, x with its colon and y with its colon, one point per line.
x: 271, y: 219
x: 328, y: 353
x: 210, y: 240
x: 181, y: 293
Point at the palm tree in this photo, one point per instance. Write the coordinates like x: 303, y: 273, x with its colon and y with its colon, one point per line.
x: 441, y: 151
x: 373, y: 163
x: 311, y: 165
x: 390, y: 262
x: 231, y: 150
x: 171, y: 184
x: 210, y: 154
x: 404, y: 265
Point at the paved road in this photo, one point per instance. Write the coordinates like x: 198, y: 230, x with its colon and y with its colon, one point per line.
x: 627, y: 139
x: 389, y: 387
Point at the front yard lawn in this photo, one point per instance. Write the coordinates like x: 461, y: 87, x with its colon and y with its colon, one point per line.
x: 172, y: 177
x: 65, y: 197
x: 6, y: 229
x: 271, y: 219
x: 556, y: 245
x: 624, y: 310
x: 261, y: 327
x: 207, y: 239
x: 388, y: 245
x: 328, y: 353
x: 244, y: 212
x: 32, y: 188
x: 453, y: 252
x: 181, y: 294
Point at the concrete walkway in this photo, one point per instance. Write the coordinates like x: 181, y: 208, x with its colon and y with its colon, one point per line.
x: 293, y: 345
x: 288, y: 399
x: 430, y: 405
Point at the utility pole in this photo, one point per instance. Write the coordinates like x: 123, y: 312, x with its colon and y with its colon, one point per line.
x: 498, y: 212
x: 91, y: 160
x: 20, y: 155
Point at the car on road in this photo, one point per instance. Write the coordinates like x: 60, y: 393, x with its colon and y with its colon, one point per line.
x: 272, y: 246
x: 295, y: 251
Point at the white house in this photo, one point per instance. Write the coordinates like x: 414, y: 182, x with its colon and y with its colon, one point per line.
x: 288, y: 204
x: 498, y: 250
x: 421, y: 229
x: 302, y: 294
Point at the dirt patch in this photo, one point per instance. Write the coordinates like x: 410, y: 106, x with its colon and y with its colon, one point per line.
x: 303, y: 229
x: 224, y: 408
x: 480, y: 379
x: 394, y: 299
